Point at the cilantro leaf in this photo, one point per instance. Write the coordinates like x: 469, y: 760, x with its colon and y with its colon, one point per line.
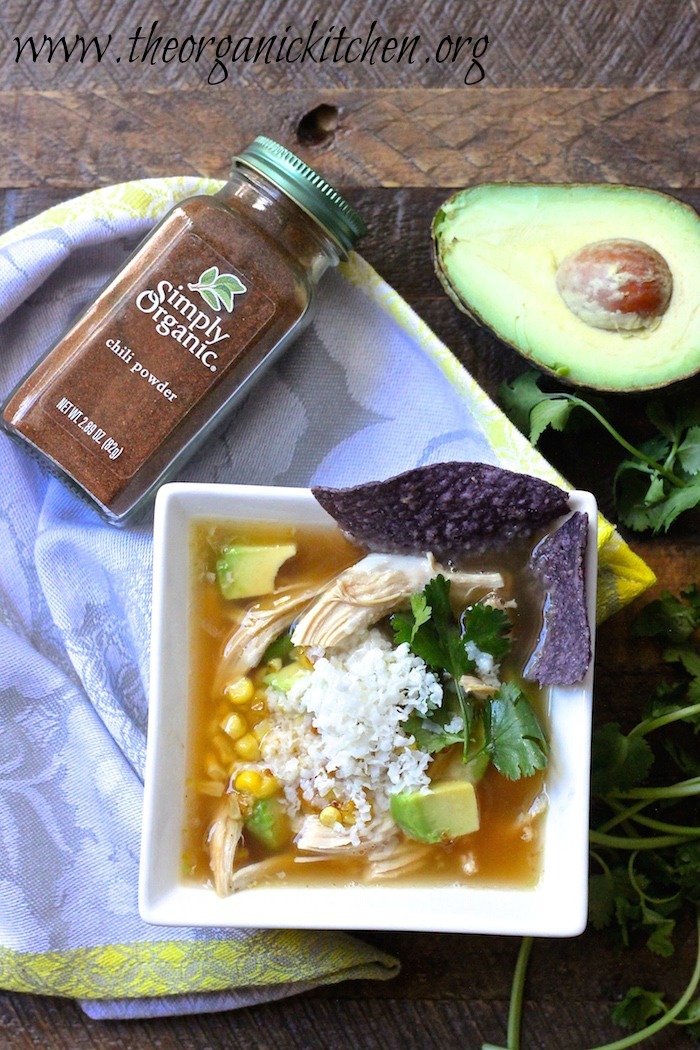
x: 678, y: 501
x: 660, y: 940
x: 430, y: 733
x: 531, y: 409
x: 421, y: 612
x: 687, y: 871
x: 601, y: 901
x: 514, y: 738
x: 687, y: 657
x: 670, y: 618
x: 638, y: 1008
x: 520, y: 396
x: 690, y: 1018
x: 488, y: 628
x: 550, y: 412
x: 661, y: 479
x: 689, y: 451
x: 618, y: 761
x: 432, y: 630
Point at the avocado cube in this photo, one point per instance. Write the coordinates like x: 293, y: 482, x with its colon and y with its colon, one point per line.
x: 447, y: 811
x: 245, y: 571
x: 267, y: 822
x: 284, y: 678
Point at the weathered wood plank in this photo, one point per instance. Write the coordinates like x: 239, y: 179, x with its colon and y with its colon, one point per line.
x: 314, y: 1022
x: 407, y: 137
x: 601, y: 43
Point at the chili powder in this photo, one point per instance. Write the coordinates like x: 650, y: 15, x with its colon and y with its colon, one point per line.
x: 210, y: 298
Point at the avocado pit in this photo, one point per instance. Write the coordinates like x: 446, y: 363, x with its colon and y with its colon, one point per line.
x: 616, y: 285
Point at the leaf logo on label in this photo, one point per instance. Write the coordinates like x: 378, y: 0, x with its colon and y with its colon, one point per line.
x: 218, y: 289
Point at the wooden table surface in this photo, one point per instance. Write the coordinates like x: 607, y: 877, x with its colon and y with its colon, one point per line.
x: 592, y: 90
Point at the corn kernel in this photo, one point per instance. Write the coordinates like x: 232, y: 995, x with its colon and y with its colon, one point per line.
x: 248, y: 780
x: 261, y: 728
x: 214, y: 770
x: 268, y: 786
x: 349, y: 814
x: 329, y: 816
x: 223, y: 746
x: 247, y: 747
x: 234, y: 725
x: 240, y: 692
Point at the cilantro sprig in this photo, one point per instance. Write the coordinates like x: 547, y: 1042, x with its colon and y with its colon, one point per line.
x: 657, y: 482
x: 645, y: 838
x: 512, y: 736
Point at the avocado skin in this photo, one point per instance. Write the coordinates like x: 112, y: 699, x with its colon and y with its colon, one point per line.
x: 596, y: 380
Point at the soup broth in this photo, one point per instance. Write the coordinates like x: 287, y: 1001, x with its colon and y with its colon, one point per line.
x: 239, y: 806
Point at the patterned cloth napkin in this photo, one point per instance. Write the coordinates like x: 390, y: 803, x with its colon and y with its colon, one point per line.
x: 366, y: 392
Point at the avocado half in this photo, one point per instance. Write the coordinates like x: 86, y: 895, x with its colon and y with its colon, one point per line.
x: 498, y: 247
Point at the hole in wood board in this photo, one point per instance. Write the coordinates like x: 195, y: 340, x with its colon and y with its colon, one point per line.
x: 318, y: 126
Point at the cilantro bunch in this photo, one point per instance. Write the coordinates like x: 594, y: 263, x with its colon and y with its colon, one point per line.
x: 506, y: 722
x: 645, y: 834
x: 657, y: 482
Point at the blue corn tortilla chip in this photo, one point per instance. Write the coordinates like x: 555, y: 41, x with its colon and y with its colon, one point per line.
x: 563, y: 651
x: 446, y: 508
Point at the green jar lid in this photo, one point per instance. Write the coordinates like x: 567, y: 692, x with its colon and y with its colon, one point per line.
x: 305, y: 186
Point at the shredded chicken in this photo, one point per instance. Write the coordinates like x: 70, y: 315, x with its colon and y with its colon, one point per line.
x: 526, y: 821
x: 261, y: 624
x: 315, y: 837
x: 471, y: 684
x: 263, y: 869
x: 376, y: 586
x: 398, y: 860
x: 224, y: 836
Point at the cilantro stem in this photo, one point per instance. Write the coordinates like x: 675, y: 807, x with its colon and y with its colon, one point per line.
x: 517, y: 989
x: 671, y: 829
x: 462, y: 701
x: 634, y: 882
x: 515, y: 1011
x: 637, y: 453
x: 663, y: 720
x: 633, y: 813
x: 667, y: 1017
x: 622, y: 814
x: 597, y: 857
x: 679, y: 790
x: 645, y: 842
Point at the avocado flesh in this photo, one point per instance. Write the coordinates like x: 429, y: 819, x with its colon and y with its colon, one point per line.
x: 285, y: 678
x: 497, y: 250
x: 268, y: 823
x: 447, y: 811
x: 247, y: 571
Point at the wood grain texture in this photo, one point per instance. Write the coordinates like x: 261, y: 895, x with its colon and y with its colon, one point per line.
x: 601, y: 43
x: 406, y: 137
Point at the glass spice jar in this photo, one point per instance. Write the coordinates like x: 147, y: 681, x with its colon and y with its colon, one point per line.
x: 210, y: 298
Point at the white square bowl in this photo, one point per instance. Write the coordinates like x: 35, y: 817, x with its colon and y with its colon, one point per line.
x: 555, y: 906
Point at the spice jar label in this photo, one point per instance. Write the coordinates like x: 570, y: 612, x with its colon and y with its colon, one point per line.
x: 178, y: 330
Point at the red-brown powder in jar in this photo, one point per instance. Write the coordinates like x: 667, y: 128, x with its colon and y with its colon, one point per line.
x: 221, y: 286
